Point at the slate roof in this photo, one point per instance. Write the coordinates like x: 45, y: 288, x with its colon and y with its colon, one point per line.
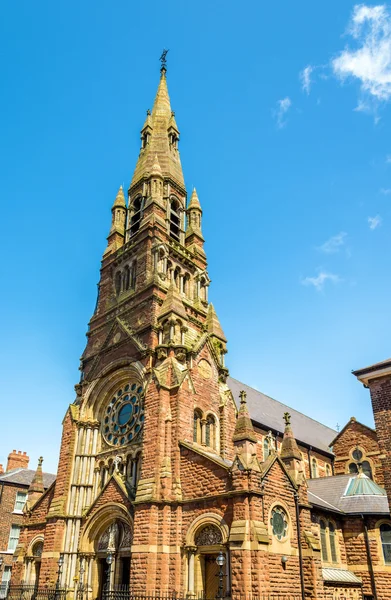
x: 268, y: 413
x: 329, y: 493
x: 24, y: 477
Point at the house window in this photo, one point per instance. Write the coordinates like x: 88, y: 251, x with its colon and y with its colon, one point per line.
x: 5, y: 580
x: 385, y: 536
x: 323, y: 541
x: 314, y: 468
x: 13, y: 538
x: 20, y: 501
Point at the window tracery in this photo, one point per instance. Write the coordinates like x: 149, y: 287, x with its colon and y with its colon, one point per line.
x: 279, y: 523
x: 209, y: 535
x: 124, y: 415
x: 359, y: 460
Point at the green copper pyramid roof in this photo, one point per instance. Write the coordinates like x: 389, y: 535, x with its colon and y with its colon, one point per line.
x: 362, y: 485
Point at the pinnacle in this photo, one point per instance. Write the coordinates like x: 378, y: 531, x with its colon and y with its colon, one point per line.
x: 156, y: 168
x: 289, y: 448
x: 244, y: 428
x: 120, y: 198
x: 213, y: 324
x: 37, y: 483
x: 194, y: 201
x: 173, y: 303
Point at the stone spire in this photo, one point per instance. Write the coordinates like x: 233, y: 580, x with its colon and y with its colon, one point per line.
x: 290, y: 453
x: 160, y: 138
x: 36, y: 488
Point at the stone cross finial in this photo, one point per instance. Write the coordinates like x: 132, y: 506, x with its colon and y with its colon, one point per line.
x: 287, y: 418
x: 242, y: 396
x: 40, y: 461
x: 116, y: 462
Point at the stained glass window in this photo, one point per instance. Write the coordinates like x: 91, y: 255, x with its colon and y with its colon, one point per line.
x: 124, y: 415
x: 279, y: 523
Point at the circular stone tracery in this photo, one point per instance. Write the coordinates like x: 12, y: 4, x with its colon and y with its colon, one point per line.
x: 279, y: 523
x: 124, y: 415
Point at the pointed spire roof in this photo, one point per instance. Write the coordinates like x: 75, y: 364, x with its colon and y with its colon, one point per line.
x: 213, y: 324
x: 159, y: 122
x: 148, y: 121
x: 194, y: 201
x: 244, y: 429
x: 120, y: 198
x: 37, y: 483
x: 173, y: 303
x: 289, y: 448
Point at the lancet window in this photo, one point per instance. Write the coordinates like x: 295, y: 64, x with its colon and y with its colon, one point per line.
x: 314, y: 468
x: 328, y: 541
x: 136, y: 216
x: 175, y: 220
x: 197, y: 427
x: 210, y: 431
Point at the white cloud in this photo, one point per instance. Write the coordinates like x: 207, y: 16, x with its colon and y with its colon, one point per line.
x: 385, y: 191
x: 319, y: 281
x: 282, y: 108
x: 370, y: 60
x: 374, y: 221
x: 388, y: 158
x: 334, y: 244
x: 305, y: 78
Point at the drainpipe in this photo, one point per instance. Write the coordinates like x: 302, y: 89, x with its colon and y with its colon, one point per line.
x: 299, y: 546
x: 369, y: 558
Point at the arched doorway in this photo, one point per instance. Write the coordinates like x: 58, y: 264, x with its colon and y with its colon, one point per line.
x: 208, y: 540
x: 116, y: 540
x: 33, y: 563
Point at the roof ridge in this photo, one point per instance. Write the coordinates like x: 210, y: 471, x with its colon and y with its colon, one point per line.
x: 282, y: 404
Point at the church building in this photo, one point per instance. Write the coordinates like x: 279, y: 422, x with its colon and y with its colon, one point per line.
x: 168, y: 466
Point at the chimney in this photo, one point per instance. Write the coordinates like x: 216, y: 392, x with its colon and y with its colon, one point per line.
x: 17, y: 460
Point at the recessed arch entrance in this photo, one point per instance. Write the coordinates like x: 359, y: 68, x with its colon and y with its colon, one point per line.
x: 109, y: 532
x: 206, y: 538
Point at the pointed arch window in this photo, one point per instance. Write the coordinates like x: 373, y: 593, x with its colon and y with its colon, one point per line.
x: 366, y: 467
x: 137, y: 215
x: 385, y: 536
x: 197, y: 427
x: 323, y: 541
x: 210, y: 433
x: 126, y: 277
x: 175, y: 220
x: 333, y: 547
x: 118, y: 282
x: 328, y: 470
x: 314, y: 468
x: 266, y: 448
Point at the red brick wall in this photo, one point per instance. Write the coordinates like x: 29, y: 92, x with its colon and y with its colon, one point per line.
x: 8, y: 517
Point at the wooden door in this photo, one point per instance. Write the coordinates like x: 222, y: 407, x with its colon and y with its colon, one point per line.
x: 211, y: 577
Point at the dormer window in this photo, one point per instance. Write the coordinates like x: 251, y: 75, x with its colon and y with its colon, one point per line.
x: 175, y: 220
x: 136, y: 217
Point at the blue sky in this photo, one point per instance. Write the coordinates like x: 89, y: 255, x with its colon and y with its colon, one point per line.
x: 284, y: 112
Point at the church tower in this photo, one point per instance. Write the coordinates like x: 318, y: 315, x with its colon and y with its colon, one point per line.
x: 152, y: 384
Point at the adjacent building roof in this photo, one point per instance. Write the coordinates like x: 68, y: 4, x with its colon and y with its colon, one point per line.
x: 268, y: 413
x: 24, y: 477
x: 346, y: 494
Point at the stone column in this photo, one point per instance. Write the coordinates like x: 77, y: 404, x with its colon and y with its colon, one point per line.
x: 191, y: 550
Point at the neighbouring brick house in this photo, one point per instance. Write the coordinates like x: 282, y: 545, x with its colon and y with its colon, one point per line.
x: 18, y: 486
x: 166, y: 461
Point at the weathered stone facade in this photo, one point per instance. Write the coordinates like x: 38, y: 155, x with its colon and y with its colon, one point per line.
x: 158, y: 466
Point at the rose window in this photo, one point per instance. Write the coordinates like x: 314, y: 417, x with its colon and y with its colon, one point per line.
x: 279, y: 523
x: 124, y: 415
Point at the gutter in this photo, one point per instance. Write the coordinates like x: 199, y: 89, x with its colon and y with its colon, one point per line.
x: 369, y: 557
x: 299, y: 546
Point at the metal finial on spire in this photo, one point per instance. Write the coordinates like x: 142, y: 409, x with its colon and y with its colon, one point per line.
x: 163, y: 60
x: 287, y: 418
